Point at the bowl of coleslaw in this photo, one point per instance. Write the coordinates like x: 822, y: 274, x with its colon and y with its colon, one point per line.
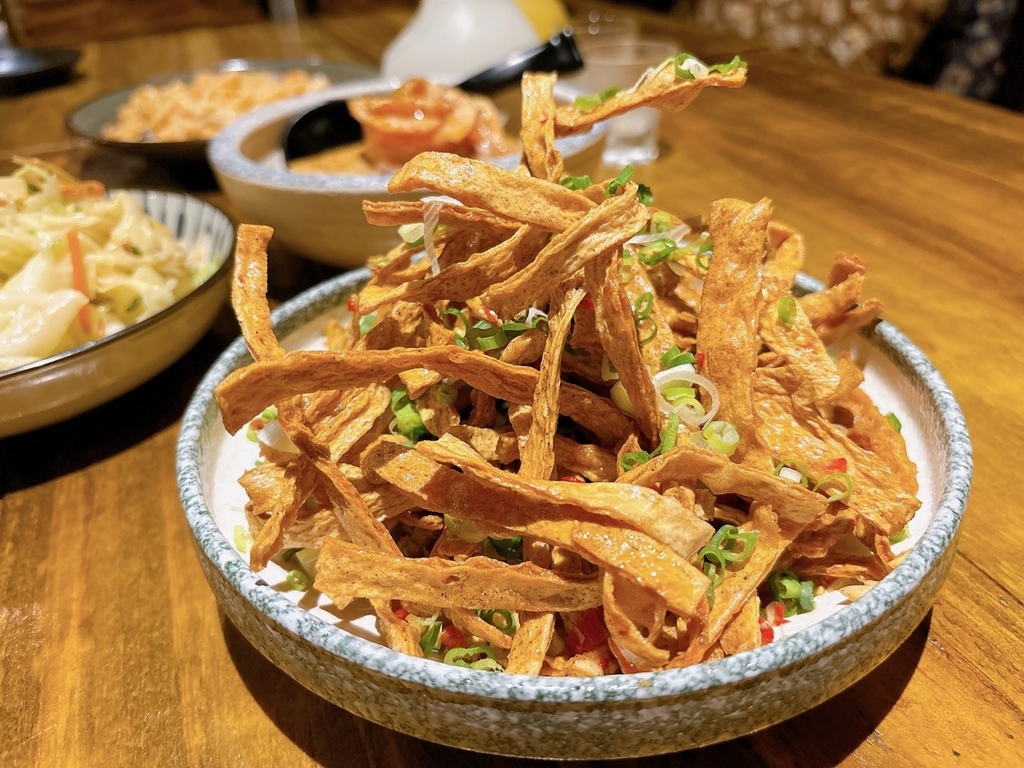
x: 100, y: 290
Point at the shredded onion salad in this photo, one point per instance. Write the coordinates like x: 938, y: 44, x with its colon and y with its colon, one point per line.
x: 77, y: 265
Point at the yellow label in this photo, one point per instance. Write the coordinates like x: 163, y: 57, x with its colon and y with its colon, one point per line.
x: 546, y: 16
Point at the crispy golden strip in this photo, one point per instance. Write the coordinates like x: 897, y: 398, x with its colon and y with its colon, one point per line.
x: 467, y: 279
x: 634, y: 651
x: 659, y: 571
x: 537, y: 136
x: 661, y: 87
x: 730, y: 302
x: 608, y: 545
x: 249, y: 291
x: 606, y: 227
x: 361, y: 527
x: 687, y: 463
x: 246, y: 392
x: 396, y: 213
x: 807, y: 369
x: 531, y: 642
x: 537, y: 457
x: 659, y: 517
x: 616, y: 329
x: 482, y: 185
x: 346, y: 571
x: 283, y: 503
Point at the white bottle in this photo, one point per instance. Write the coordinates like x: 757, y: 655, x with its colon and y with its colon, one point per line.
x: 452, y: 40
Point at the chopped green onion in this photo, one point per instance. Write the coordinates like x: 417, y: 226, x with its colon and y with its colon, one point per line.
x: 669, y: 435
x: 729, y: 66
x: 674, y: 356
x: 474, y: 657
x: 657, y: 251
x: 608, y: 372
x: 412, y: 234
x: 243, y: 539
x: 446, y: 393
x: 619, y: 181
x: 894, y: 422
x: 793, y: 465
x: 644, y: 194
x: 487, y: 337
x: 577, y: 182
x: 591, y: 101
x: 500, y: 618
x: 430, y: 641
x: 795, y: 595
x: 661, y: 221
x: 681, y: 65
x: 677, y: 394
x: 900, y: 535
x: 270, y: 413
x: 621, y: 399
x: 297, y: 579
x: 642, y: 312
x: 634, y: 459
x: 787, y: 310
x: 366, y: 323
x: 703, y: 256
x: 721, y: 436
x: 407, y: 419
x: 721, y: 550
x: 460, y: 339
x: 510, y: 549
x: 838, y: 495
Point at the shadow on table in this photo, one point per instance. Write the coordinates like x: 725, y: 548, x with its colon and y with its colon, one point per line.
x: 49, y: 452
x: 333, y: 737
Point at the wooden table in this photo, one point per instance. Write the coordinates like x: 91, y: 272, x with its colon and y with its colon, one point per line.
x: 112, y: 648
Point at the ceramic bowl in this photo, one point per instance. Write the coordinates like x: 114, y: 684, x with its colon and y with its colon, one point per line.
x: 72, y: 382
x: 320, y: 215
x: 88, y: 120
x: 617, y: 716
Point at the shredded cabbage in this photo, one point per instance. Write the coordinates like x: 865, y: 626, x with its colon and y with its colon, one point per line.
x: 131, y: 266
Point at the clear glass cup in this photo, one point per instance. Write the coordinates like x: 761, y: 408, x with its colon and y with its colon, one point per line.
x: 633, y: 137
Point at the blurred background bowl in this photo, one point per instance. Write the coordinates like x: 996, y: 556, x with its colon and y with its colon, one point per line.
x: 319, y: 215
x: 67, y: 384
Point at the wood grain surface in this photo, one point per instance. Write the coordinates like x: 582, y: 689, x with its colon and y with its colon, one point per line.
x: 112, y: 649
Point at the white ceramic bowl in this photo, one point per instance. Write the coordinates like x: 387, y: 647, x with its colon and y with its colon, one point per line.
x: 574, y: 718
x: 319, y: 215
x: 65, y: 385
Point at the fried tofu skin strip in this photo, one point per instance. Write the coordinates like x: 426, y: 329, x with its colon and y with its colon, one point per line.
x: 345, y: 571
x: 478, y: 184
x: 245, y: 392
x: 660, y: 87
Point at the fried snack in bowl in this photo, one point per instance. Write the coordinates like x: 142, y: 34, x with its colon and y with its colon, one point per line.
x: 562, y: 433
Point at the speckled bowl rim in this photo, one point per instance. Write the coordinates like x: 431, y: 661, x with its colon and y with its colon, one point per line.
x: 226, y: 157
x: 202, y: 415
x: 223, y: 271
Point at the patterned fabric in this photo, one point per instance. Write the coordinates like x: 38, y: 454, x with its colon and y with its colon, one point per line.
x: 971, y: 51
x: 864, y: 35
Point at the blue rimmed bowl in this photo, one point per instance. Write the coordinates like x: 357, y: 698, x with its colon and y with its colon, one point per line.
x: 320, y: 215
x: 580, y: 718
